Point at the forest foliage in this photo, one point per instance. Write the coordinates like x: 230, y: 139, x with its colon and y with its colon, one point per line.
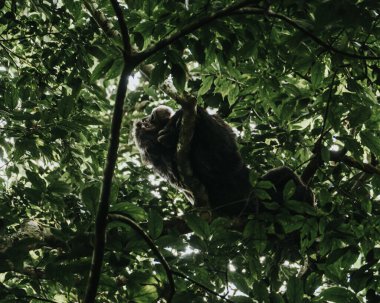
x: 297, y: 80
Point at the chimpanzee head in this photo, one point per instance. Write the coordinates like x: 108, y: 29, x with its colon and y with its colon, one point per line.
x: 146, y: 130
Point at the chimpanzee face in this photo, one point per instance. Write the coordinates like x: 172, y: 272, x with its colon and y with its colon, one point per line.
x: 146, y: 130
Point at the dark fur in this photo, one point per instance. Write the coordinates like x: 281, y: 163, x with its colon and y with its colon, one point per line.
x: 214, y: 156
x: 280, y: 177
x: 215, y: 160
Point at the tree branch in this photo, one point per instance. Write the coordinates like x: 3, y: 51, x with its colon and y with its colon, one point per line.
x: 123, y: 27
x: 101, y: 217
x: 152, y: 246
x: 270, y: 13
x: 189, y: 116
x: 117, y: 117
x: 101, y: 20
x: 316, y: 160
x: 166, y: 87
x: 339, y: 156
x: 191, y: 27
x: 205, y: 288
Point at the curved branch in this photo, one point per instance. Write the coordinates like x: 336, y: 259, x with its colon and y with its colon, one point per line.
x: 270, y: 13
x: 152, y: 246
x: 205, y: 288
x: 101, y: 20
x: 191, y: 27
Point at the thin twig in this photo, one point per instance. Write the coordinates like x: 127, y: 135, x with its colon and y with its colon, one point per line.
x: 152, y: 246
x: 327, y: 108
x: 269, y: 13
x: 29, y: 36
x: 40, y: 299
x: 316, y: 160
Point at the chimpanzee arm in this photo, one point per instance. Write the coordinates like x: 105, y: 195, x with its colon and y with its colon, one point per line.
x: 279, y: 177
x: 168, y: 136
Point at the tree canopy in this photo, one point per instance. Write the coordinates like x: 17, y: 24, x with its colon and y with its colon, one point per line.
x: 83, y: 219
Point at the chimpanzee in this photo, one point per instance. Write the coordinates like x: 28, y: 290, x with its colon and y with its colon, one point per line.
x: 214, y: 157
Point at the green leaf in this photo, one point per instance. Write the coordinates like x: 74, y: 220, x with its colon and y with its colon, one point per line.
x: 371, y: 141
x: 130, y: 209
x: 338, y: 295
x: 65, y: 106
x: 206, y: 85
x: 90, y: 197
x: 11, y: 97
x: 102, y: 68
x: 300, y: 207
x: 289, y: 190
x: 36, y: 180
x: 313, y: 281
x: 74, y: 7
x: 294, y: 290
x: 262, y: 194
x: 359, y: 116
x: 239, y: 281
x: 260, y: 291
x: 265, y: 185
x: 198, y: 226
x: 276, y: 298
x: 116, y: 69
x: 155, y: 224
x: 317, y: 74
x: 158, y: 73
x: 59, y: 187
x: 145, y: 28
x: 233, y: 93
x: 179, y: 76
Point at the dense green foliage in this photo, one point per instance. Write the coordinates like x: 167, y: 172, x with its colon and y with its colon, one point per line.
x: 282, y: 82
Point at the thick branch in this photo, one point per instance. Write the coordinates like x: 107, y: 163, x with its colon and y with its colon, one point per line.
x: 101, y: 217
x: 117, y: 118
x: 101, y: 20
x: 339, y: 156
x: 310, y: 170
x: 123, y: 27
x: 152, y: 246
